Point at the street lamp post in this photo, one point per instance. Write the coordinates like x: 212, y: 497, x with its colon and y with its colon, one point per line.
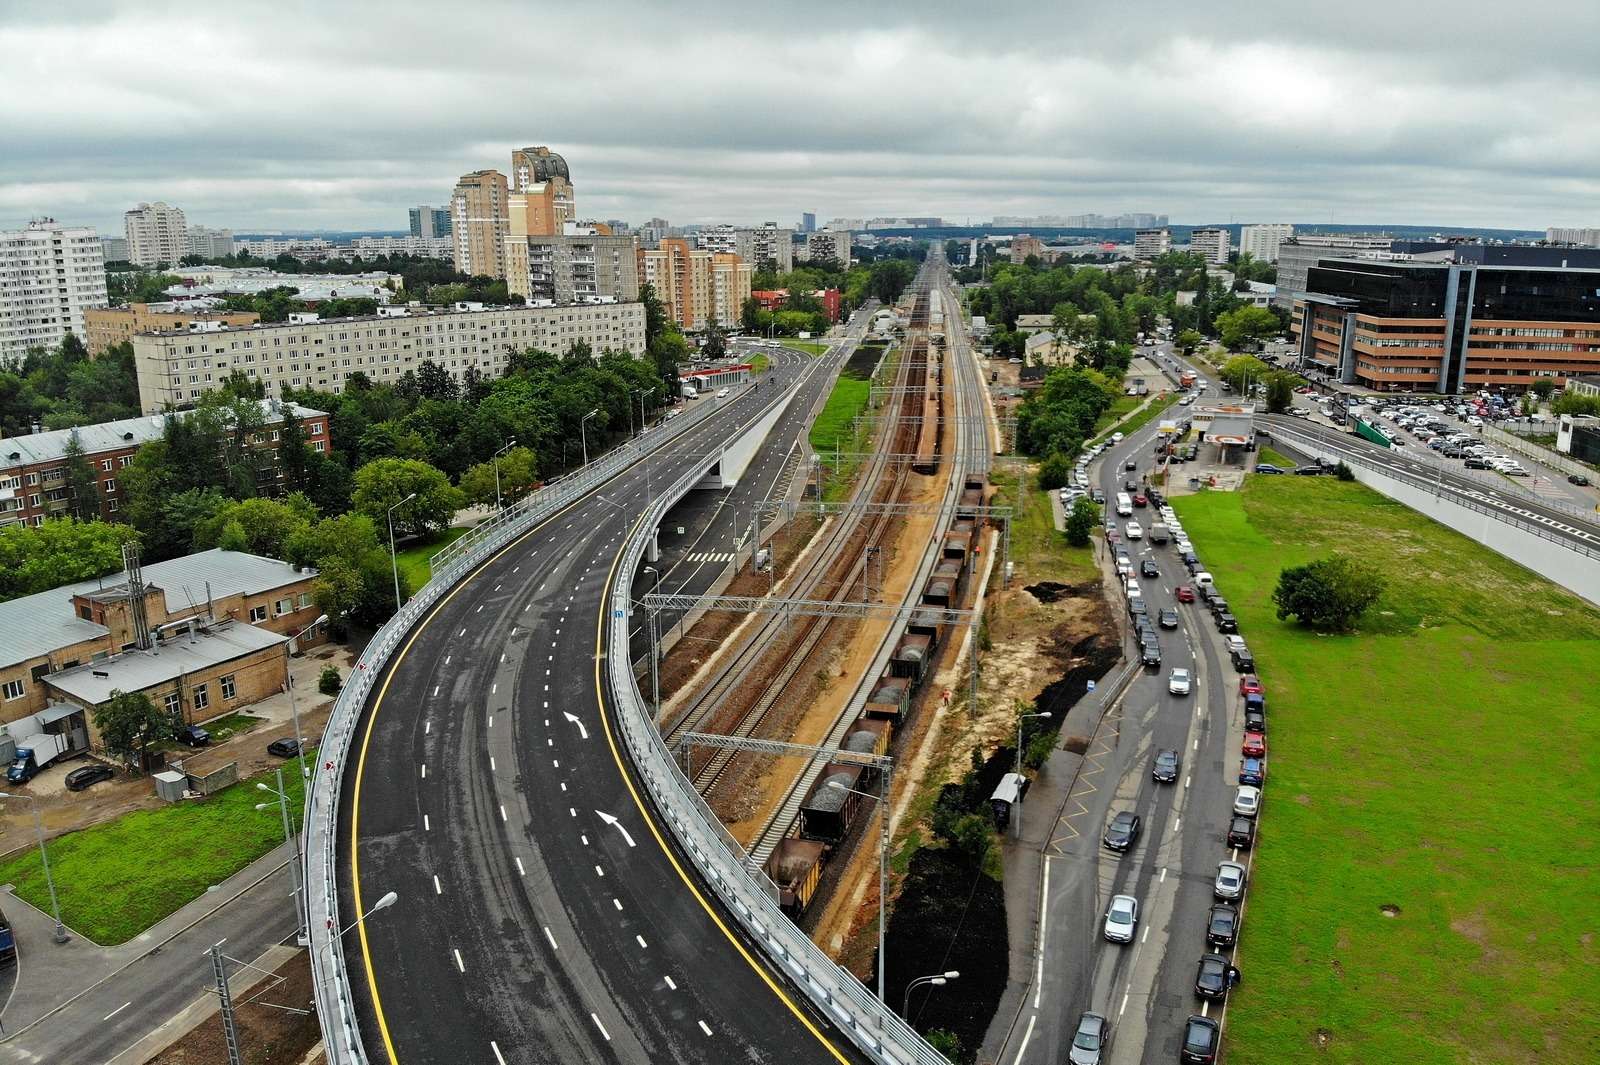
x: 649, y: 489
x: 294, y: 705
x: 293, y: 839
x: 394, y: 561
x: 583, y: 437
x: 382, y: 904
x: 1045, y: 716
x: 936, y: 980
x: 883, y: 873
x: 60, y: 934
x: 508, y: 446
x: 655, y: 646
x: 643, y: 392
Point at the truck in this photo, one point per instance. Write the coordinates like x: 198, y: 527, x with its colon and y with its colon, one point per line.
x: 42, y: 749
x: 1159, y: 533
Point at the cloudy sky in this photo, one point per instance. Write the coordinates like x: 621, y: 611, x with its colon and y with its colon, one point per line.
x: 340, y: 114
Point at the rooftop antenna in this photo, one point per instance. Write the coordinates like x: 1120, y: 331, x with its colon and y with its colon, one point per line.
x: 136, y: 607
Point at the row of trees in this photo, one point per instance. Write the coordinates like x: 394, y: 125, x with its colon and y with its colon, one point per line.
x: 57, y: 388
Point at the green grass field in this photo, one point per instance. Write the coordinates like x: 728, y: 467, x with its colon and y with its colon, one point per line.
x: 1442, y: 760
x: 1040, y: 551
x: 1124, y: 424
x: 760, y: 363
x: 812, y: 346
x: 832, y: 428
x: 413, y: 560
x: 117, y: 879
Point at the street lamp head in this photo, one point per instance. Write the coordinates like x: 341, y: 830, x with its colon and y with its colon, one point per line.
x: 1046, y: 714
x: 384, y: 903
x: 952, y: 975
x: 322, y: 619
x: 409, y: 498
x: 263, y: 806
x: 261, y: 785
x: 937, y: 981
x: 7, y: 795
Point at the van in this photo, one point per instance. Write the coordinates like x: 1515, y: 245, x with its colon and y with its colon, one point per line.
x: 1124, y: 505
x: 1203, y: 579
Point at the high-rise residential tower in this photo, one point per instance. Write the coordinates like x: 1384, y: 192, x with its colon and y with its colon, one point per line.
x: 479, y: 209
x: 157, y: 233
x: 49, y: 275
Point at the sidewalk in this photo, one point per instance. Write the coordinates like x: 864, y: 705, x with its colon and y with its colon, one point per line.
x: 50, y: 975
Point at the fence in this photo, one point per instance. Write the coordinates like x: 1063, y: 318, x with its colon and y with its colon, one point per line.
x: 1528, y: 449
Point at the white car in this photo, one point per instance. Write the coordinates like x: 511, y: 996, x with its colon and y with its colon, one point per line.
x: 1178, y: 682
x: 1133, y: 530
x: 1133, y: 589
x: 723, y: 394
x: 1230, y: 881
x: 1247, y: 803
x: 1124, y: 567
x: 1116, y: 438
x: 1122, y: 919
x: 1234, y: 642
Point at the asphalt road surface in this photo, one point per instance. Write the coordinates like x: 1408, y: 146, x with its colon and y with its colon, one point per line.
x: 542, y: 915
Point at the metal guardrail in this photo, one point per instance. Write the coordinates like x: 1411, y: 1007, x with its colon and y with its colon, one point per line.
x: 330, y: 978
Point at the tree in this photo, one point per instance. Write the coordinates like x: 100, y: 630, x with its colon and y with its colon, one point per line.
x: 129, y: 722
x: 1055, y: 472
x: 750, y: 316
x: 384, y: 483
x: 1246, y: 326
x: 1328, y: 594
x: 1572, y: 403
x: 1280, y: 392
x: 39, y: 558
x: 1188, y: 339
x: 328, y: 681
x: 1544, y: 387
x: 294, y: 454
x: 268, y: 525
x: 1244, y: 370
x: 1081, y: 522
x: 716, y: 343
x: 518, y: 475
x: 83, y: 489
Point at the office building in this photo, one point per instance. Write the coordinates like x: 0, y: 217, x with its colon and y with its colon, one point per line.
x: 479, y: 209
x: 1261, y: 241
x: 156, y: 233
x: 115, y: 249
x: 808, y: 222
x: 177, y: 367
x: 1213, y: 243
x: 1296, y: 255
x: 50, y: 275
x: 730, y: 287
x: 829, y: 244
x: 34, y: 467
x: 542, y: 176
x: 209, y: 243
x: 430, y: 222
x: 1589, y: 238
x: 1151, y: 243
x: 423, y: 247
x: 1460, y: 320
x: 107, y: 326
x: 581, y: 264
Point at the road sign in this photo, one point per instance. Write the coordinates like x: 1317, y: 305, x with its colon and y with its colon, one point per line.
x: 1091, y: 685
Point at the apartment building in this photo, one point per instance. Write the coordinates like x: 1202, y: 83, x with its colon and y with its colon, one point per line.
x: 581, y: 264
x: 1214, y: 243
x: 430, y: 222
x: 681, y: 277
x: 1024, y: 246
x: 210, y: 243
x: 478, y: 213
x: 829, y: 244
x: 1151, y: 243
x: 65, y: 650
x: 157, y: 233
x: 1262, y: 240
x: 542, y: 176
x: 1483, y: 318
x: 33, y: 468
x: 764, y: 247
x: 730, y: 287
x: 114, y: 249
x: 108, y: 326
x: 308, y: 249
x: 426, y: 247
x: 176, y: 368
x: 50, y: 275
x: 1586, y: 237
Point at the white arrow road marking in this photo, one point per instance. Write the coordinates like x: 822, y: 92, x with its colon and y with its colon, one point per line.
x: 615, y: 823
x: 570, y: 716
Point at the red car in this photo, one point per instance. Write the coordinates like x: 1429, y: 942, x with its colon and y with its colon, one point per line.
x: 1255, y: 745
x: 1250, y: 684
x: 1185, y: 594
x: 1140, y: 501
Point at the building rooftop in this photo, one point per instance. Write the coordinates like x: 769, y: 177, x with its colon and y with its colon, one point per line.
x: 392, y: 318
x: 32, y: 626
x: 177, y: 655
x: 105, y: 436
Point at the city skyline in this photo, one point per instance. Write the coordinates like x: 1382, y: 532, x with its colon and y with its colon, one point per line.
x: 1253, y: 114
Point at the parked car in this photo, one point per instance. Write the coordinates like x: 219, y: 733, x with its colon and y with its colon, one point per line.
x: 1267, y: 467
x: 1166, y: 767
x: 1308, y: 471
x: 1241, y: 833
x: 1185, y: 594
x: 192, y: 736
x: 1226, y: 622
x: 1178, y: 683
x: 284, y: 748
x: 1123, y: 831
x: 1229, y: 883
x: 1247, y: 802
x: 1168, y: 617
x: 1250, y: 684
x: 1222, y: 927
x: 1090, y: 1040
x: 1202, y: 1036
x: 1255, y: 719
x: 1254, y: 746
x: 1097, y: 495
x: 1150, y: 654
x: 88, y: 775
x: 1215, y: 977
x: 1122, y: 919
x: 1253, y: 771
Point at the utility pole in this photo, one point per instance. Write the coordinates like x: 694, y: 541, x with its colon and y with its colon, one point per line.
x: 230, y: 1026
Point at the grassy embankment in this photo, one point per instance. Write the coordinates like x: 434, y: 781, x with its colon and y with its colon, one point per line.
x: 413, y: 560
x: 812, y: 346
x: 1442, y: 761
x: 117, y: 879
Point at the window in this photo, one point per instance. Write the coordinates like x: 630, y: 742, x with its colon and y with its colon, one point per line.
x: 33, y: 479
x: 282, y: 606
x: 125, y: 461
x: 258, y: 613
x: 228, y: 689
x: 109, y: 484
x: 12, y: 689
x: 105, y: 465
x: 305, y: 600
x: 173, y: 704
x: 202, y: 697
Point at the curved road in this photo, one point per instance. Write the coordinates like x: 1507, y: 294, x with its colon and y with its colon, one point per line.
x: 543, y: 916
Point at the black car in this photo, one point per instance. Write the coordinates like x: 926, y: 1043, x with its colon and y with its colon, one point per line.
x: 1168, y: 618
x: 1214, y: 977
x: 1217, y: 605
x: 1241, y: 833
x: 1150, y: 654
x: 1201, y: 1038
x: 1254, y: 720
x: 1148, y: 568
x: 1155, y: 497
x: 1130, y: 485
x: 1123, y: 831
x: 87, y: 775
x: 1166, y: 767
x: 1131, y: 464
x: 1267, y: 467
x: 1578, y: 479
x: 284, y: 748
x: 193, y: 736
x: 1243, y: 661
x: 1308, y: 471
x: 1098, y: 496
x: 1222, y: 928
x: 1226, y: 622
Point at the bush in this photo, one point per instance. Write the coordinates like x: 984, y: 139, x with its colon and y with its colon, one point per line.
x: 330, y: 682
x: 1081, y: 522
x: 1055, y: 471
x: 1329, y: 594
x: 1344, y: 472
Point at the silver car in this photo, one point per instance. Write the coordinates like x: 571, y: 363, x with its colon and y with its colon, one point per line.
x: 1247, y: 803
x: 1090, y: 1041
x: 1230, y: 881
x: 1122, y: 919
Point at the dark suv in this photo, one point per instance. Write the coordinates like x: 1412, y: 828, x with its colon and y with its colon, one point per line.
x: 193, y: 736
x: 1201, y: 1038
